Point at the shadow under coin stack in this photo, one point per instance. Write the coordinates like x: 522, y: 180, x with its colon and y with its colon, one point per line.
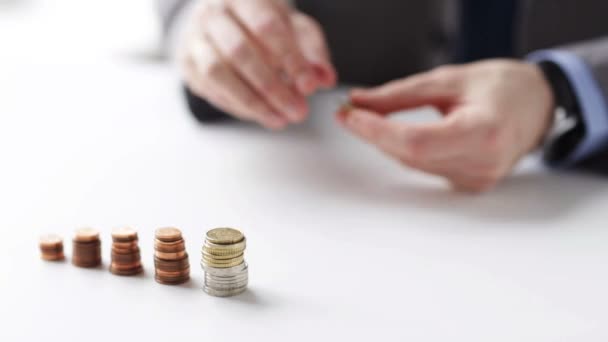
x: 51, y: 248
x: 86, y: 248
x: 226, y: 272
x: 126, y: 258
x: 170, y: 258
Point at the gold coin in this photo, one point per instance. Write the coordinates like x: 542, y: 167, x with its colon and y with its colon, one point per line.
x: 221, y: 257
x: 223, y: 263
x: 216, y: 249
x: 224, y: 236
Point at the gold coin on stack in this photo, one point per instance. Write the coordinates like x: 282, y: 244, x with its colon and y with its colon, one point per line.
x: 51, y: 247
x: 171, y: 263
x: 86, y: 248
x: 126, y: 258
x: 223, y: 261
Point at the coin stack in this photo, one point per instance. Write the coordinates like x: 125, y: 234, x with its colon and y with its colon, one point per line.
x: 51, y: 247
x: 126, y: 259
x: 170, y: 258
x: 86, y: 248
x: 226, y: 272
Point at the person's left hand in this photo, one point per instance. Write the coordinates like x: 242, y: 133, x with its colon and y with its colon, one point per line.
x: 495, y: 112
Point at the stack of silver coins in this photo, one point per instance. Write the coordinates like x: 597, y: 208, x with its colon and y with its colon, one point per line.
x: 223, y: 262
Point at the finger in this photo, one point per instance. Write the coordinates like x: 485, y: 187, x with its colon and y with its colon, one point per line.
x: 211, y: 78
x: 241, y: 53
x: 410, y: 143
x: 271, y: 28
x: 314, y: 47
x: 439, y: 88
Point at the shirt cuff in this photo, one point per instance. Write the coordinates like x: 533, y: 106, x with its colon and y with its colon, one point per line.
x: 594, y: 111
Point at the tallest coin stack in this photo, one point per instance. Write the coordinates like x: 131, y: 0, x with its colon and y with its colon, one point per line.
x: 226, y: 272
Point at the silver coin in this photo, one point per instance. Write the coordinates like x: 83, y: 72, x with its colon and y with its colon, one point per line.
x: 225, y: 271
x: 236, y: 281
x: 225, y: 287
x: 224, y: 293
x: 226, y: 279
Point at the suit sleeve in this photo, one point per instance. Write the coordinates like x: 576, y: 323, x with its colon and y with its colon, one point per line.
x: 173, y: 14
x: 585, y: 66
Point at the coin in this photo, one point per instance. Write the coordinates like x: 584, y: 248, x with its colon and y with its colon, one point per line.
x: 128, y: 272
x: 170, y: 248
x: 53, y: 257
x: 126, y: 257
x: 50, y: 241
x: 221, y: 257
x: 222, y: 263
x: 86, y: 235
x: 171, y: 263
x: 124, y: 234
x: 224, y: 236
x: 170, y: 256
x: 168, y: 234
x: 167, y: 281
x: 215, y: 249
x: 224, y: 293
x: 86, y: 248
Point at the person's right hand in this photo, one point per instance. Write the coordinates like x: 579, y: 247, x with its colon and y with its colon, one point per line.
x: 255, y: 59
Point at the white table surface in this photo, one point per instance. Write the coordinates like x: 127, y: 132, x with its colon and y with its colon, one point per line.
x: 343, y: 244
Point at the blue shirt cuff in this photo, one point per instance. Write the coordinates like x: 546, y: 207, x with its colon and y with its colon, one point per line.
x: 591, y: 100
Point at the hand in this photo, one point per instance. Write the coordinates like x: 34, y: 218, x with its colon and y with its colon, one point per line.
x: 494, y: 111
x: 255, y: 59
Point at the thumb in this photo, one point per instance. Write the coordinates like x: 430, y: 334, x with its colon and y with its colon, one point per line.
x: 314, y: 48
x: 430, y: 88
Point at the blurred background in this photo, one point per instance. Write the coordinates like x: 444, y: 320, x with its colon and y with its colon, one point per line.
x: 71, y: 31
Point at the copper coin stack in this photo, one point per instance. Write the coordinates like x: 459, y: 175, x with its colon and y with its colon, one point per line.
x: 51, y: 247
x: 126, y: 258
x: 170, y: 258
x: 86, y: 248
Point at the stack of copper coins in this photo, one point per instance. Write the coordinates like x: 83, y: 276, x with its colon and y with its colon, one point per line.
x: 51, y: 247
x: 170, y: 257
x: 86, y: 248
x: 126, y: 259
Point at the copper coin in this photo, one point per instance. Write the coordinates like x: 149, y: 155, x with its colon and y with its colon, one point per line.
x: 125, y: 250
x: 86, y: 235
x: 172, y: 248
x: 130, y: 272
x: 124, y: 234
x: 85, y: 245
x: 167, y: 243
x: 175, y: 268
x: 53, y: 257
x: 52, y: 250
x: 126, y: 266
x: 88, y: 264
x: 170, y: 256
x: 50, y: 241
x: 178, y: 281
x: 126, y: 258
x: 169, y: 274
x: 125, y: 245
x: 168, y: 234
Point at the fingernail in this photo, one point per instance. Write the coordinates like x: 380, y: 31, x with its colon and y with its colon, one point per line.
x: 296, y: 111
x: 306, y: 83
x: 352, y: 118
x: 355, y: 92
x: 277, y: 123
